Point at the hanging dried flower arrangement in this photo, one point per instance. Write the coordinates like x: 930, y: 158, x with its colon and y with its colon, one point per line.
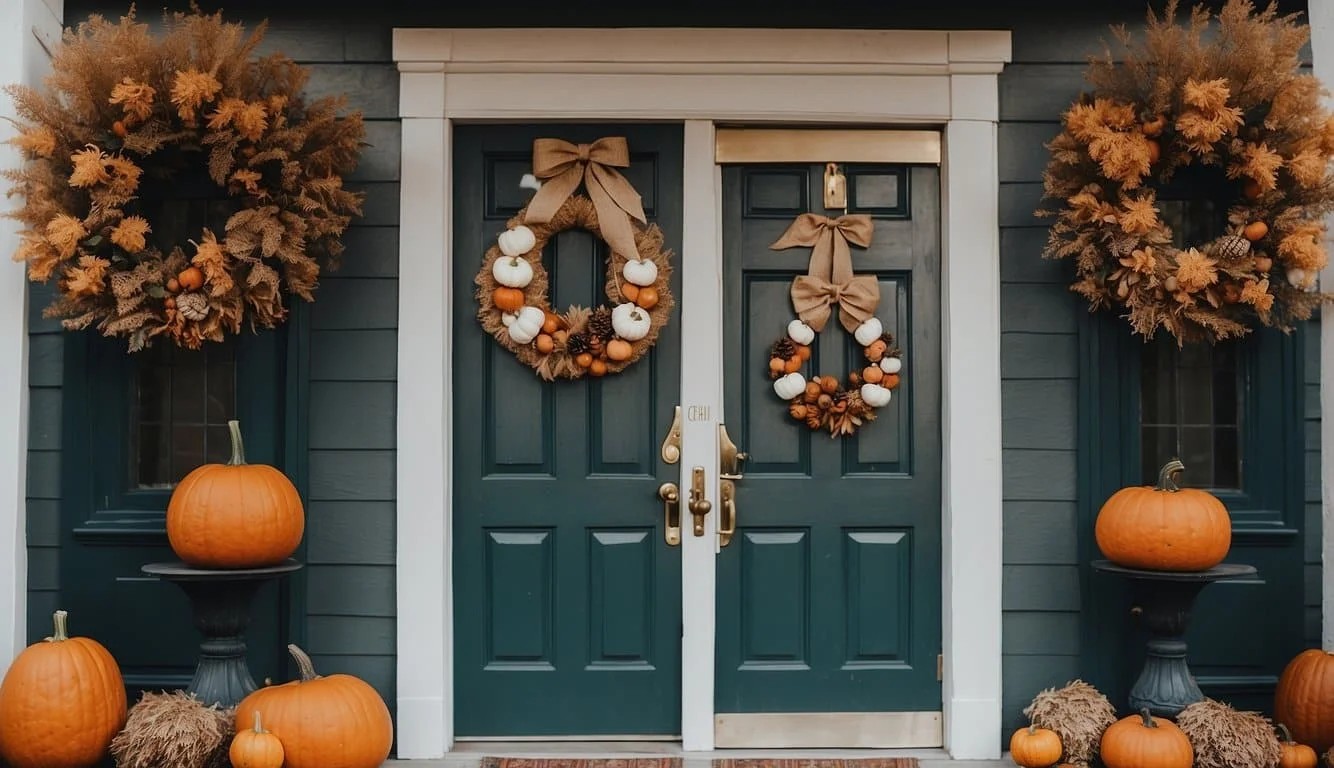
x: 1233, y: 110
x: 124, y: 111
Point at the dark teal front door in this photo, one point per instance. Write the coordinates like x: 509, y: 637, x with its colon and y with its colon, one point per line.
x: 829, y: 595
x: 567, y: 599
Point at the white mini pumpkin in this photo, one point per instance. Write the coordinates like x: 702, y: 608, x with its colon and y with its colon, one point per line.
x: 517, y: 241
x: 800, y: 332
x: 789, y: 386
x: 512, y: 271
x: 875, y: 395
x: 868, y: 331
x: 1300, y: 278
x: 527, y: 325
x: 641, y: 272
x: 630, y: 322
x: 891, y: 364
x: 507, y: 319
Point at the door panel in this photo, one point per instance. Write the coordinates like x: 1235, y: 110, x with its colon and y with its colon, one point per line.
x: 567, y: 597
x: 829, y: 594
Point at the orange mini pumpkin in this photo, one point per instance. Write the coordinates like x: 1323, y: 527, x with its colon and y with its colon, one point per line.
x: 1145, y: 741
x: 235, y: 515
x: 1304, y: 699
x: 507, y: 299
x: 1163, y: 527
x: 61, y: 703
x: 334, y: 721
x: 256, y: 748
x: 1035, y: 747
x: 1292, y: 754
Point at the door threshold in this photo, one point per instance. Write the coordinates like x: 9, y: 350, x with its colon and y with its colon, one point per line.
x: 470, y: 750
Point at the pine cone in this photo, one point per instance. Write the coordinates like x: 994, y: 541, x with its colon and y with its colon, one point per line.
x: 783, y: 349
x: 1231, y: 247
x: 192, y: 306
x: 577, y: 344
x: 599, y: 325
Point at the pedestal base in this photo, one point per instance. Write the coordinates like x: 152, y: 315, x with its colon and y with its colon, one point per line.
x: 221, y: 604
x: 1163, y: 601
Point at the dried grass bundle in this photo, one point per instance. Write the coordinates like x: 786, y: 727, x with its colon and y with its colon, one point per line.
x: 173, y: 730
x: 1226, y: 738
x: 1078, y: 713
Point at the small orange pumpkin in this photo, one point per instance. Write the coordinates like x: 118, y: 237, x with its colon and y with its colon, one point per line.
x: 256, y: 748
x: 61, y: 703
x: 804, y: 352
x: 792, y: 364
x: 891, y: 381
x: 629, y: 291
x: 507, y: 299
x: 1145, y: 741
x: 583, y: 360
x: 1304, y: 698
x: 551, y: 324
x: 1254, y: 231
x: 1163, y: 527
x: 777, y: 364
x: 598, y: 368
x: 872, y: 374
x: 1035, y: 747
x: 619, y: 349
x: 191, y: 278
x: 334, y: 721
x: 1292, y: 754
x: 647, y: 298
x: 235, y: 515
x: 544, y: 343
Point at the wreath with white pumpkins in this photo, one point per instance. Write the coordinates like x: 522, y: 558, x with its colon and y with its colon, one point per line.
x: 581, y: 341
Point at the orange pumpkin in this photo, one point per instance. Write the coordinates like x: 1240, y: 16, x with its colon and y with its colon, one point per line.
x: 191, y: 278
x: 334, y: 721
x: 647, y: 298
x: 619, y: 349
x: 1292, y: 754
x: 507, y: 299
x: 1164, y: 528
x: 61, y: 703
x: 1304, y: 699
x: 1145, y: 741
x: 1035, y: 747
x: 629, y: 291
x: 256, y: 748
x: 598, y: 368
x: 872, y: 374
x: 1254, y: 231
x: 235, y: 515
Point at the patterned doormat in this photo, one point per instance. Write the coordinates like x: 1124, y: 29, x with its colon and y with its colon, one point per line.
x: 866, y: 762
x: 576, y: 762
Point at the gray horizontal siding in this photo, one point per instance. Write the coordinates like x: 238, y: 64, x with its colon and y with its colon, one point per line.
x: 1312, y: 509
x: 46, y: 365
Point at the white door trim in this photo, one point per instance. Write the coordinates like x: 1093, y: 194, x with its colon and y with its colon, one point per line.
x: 945, y: 79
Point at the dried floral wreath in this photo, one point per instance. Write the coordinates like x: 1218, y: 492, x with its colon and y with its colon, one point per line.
x: 1234, y: 112
x: 822, y: 402
x: 512, y: 283
x: 124, y: 112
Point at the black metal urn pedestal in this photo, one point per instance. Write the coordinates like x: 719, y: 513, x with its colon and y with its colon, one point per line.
x: 1163, y: 601
x: 221, y: 603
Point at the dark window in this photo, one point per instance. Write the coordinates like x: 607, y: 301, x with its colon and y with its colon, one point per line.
x: 179, y: 407
x: 1191, y: 397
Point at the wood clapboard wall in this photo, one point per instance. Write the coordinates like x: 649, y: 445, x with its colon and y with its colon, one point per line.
x: 352, y: 367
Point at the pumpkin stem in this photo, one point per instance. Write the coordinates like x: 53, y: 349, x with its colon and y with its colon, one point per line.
x: 1148, y: 719
x: 258, y: 728
x: 303, y: 663
x: 238, y: 447
x: 1287, y: 735
x: 1167, y: 476
x: 61, y: 621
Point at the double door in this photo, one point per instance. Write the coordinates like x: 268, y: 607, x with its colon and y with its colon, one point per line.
x: 573, y: 509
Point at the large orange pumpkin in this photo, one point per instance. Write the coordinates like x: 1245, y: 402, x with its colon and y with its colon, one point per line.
x: 61, y: 703
x: 235, y: 515
x: 337, y: 721
x: 1304, y: 699
x: 1145, y: 741
x: 1163, y: 527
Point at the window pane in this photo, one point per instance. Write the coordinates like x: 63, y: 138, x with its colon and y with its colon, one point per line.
x: 1191, y: 410
x: 182, y: 402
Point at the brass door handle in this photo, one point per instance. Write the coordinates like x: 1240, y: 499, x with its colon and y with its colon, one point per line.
x: 698, y: 505
x: 727, y: 515
x: 671, y: 503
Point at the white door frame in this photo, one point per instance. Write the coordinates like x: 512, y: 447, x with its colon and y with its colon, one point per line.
x: 946, y: 79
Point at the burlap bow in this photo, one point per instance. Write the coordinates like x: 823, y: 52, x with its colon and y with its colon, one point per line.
x: 562, y: 165
x: 829, y: 279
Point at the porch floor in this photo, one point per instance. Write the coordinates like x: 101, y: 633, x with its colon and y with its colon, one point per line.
x: 469, y: 754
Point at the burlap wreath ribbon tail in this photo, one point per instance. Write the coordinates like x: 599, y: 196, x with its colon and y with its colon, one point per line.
x: 561, y: 165
x: 829, y: 279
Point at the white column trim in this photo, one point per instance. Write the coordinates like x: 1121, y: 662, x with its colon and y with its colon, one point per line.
x: 25, y: 35
x: 1321, y: 14
x: 424, y: 554
x: 869, y: 77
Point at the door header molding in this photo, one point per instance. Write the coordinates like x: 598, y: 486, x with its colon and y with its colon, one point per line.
x: 668, y: 51
x: 825, y: 145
